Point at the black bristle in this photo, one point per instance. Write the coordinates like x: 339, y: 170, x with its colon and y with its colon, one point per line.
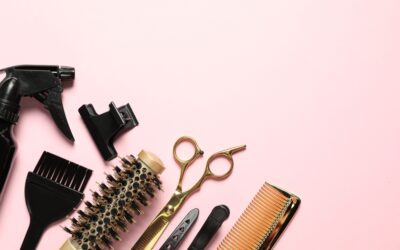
x: 78, y: 235
x: 93, y: 217
x: 126, y: 161
x: 150, y: 191
x: 83, y: 214
x: 75, y: 222
x: 68, y: 175
x: 92, y: 238
x: 88, y: 174
x: 135, y: 207
x: 63, y: 172
x: 136, y: 185
x: 89, y: 205
x: 138, y: 164
x: 78, y: 178
x: 102, y: 209
x: 133, y: 159
x: 157, y: 182
x: 129, y: 173
x: 106, y: 241
x: 128, y: 216
x: 39, y: 165
x: 66, y: 229
x: 108, y: 199
x: 104, y: 187
x: 114, y: 212
x: 114, y: 234
x: 142, y: 199
x: 96, y: 196
x: 100, y: 199
x: 117, y: 170
x: 120, y: 224
x: 49, y: 168
x: 111, y: 179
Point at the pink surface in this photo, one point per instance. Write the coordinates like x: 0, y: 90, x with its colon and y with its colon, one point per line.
x: 312, y: 88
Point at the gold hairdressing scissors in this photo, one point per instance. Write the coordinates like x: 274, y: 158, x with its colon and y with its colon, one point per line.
x: 160, y: 223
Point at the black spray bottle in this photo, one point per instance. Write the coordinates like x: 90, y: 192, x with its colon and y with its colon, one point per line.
x: 44, y: 84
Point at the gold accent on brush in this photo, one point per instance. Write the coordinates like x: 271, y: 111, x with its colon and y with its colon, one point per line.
x: 263, y: 221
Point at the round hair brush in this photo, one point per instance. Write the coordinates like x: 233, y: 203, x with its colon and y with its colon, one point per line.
x: 126, y: 193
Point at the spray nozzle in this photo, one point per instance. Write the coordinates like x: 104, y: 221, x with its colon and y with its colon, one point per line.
x: 43, y: 82
x: 66, y: 73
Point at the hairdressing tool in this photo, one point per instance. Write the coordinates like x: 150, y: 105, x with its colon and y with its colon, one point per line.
x: 160, y: 223
x: 52, y: 191
x: 106, y: 127
x: 181, y: 230
x: 214, y: 221
x: 44, y: 84
x: 127, y: 192
x: 264, y: 220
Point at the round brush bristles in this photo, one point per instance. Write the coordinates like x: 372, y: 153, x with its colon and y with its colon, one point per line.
x: 116, y: 204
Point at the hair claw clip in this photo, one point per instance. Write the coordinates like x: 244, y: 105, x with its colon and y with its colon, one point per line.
x: 104, y: 128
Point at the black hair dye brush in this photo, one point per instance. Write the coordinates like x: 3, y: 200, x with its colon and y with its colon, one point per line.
x: 52, y: 191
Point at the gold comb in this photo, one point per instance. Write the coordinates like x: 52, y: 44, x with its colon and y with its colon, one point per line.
x: 263, y: 221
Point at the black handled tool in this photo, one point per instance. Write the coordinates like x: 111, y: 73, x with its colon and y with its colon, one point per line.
x: 181, y: 230
x: 214, y: 221
x: 52, y: 191
x: 104, y: 128
x: 41, y: 82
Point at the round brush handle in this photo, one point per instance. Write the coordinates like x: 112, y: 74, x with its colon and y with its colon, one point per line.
x: 68, y: 245
x: 33, y: 235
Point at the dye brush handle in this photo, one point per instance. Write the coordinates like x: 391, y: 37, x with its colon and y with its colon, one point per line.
x: 33, y: 235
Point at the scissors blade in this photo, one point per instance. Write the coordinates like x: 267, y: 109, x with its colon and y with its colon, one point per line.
x: 150, y: 237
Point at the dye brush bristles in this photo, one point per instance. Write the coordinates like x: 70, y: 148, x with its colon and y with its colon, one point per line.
x: 124, y: 196
x: 52, y: 191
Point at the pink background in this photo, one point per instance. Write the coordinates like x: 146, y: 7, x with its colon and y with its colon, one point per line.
x: 312, y: 87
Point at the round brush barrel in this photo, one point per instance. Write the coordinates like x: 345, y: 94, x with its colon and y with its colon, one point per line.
x: 124, y: 196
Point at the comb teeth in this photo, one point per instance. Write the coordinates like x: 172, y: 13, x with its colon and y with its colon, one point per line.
x: 124, y: 195
x: 263, y: 220
x: 63, y: 172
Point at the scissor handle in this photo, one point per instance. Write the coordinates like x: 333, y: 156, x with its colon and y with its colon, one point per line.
x: 184, y: 163
x: 226, y: 154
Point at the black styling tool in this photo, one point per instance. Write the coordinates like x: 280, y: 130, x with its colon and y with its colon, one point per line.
x: 106, y: 127
x: 52, y: 191
x: 41, y: 82
x: 181, y: 230
x: 214, y: 221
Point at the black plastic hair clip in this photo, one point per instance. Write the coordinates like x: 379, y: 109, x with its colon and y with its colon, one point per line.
x: 104, y: 128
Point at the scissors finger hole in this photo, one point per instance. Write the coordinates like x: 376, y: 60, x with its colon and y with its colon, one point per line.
x: 220, y: 166
x: 185, y: 150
